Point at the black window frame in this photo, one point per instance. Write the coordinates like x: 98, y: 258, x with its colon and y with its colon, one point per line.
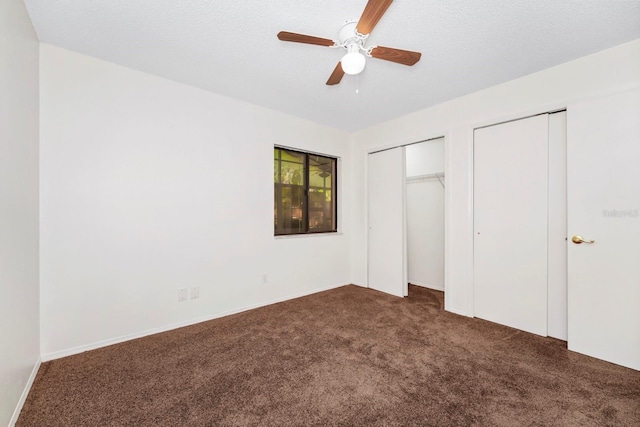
x: 305, y: 220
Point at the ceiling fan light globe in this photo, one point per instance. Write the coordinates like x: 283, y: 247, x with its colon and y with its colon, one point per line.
x: 353, y: 63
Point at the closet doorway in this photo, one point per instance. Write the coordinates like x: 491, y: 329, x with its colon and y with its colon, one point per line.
x: 406, y: 247
x: 425, y: 187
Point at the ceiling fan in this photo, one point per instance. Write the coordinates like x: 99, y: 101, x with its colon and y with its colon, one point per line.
x: 352, y: 37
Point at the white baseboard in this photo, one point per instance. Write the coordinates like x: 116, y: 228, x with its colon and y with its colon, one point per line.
x: 104, y: 343
x: 25, y: 393
x: 459, y: 312
x: 426, y: 285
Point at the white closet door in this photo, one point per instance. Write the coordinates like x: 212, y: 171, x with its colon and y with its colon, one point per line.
x: 603, y: 190
x: 386, y: 213
x: 510, y: 224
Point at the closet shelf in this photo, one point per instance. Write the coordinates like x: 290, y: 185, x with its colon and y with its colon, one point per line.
x: 428, y: 177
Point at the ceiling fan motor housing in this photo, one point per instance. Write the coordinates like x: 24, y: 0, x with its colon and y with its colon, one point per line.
x: 348, y: 34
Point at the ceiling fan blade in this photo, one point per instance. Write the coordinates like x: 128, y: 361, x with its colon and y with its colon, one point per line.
x: 302, y: 38
x: 336, y: 76
x: 400, y: 56
x: 371, y: 15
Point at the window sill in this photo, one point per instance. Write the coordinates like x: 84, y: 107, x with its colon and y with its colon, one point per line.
x: 301, y: 236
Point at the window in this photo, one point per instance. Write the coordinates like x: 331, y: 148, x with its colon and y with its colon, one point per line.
x: 305, y: 192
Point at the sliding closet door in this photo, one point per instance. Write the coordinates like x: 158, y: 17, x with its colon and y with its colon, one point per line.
x: 510, y: 223
x: 603, y: 186
x: 557, y: 234
x: 386, y: 219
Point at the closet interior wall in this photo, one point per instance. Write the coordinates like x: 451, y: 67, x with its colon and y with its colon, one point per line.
x: 425, y: 213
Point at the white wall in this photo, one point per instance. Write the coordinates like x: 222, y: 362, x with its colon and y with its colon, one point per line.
x: 147, y: 186
x: 19, y: 335
x: 604, y: 72
x: 425, y: 157
x: 425, y: 214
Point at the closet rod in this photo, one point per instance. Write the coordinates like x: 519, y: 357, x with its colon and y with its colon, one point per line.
x: 419, y: 178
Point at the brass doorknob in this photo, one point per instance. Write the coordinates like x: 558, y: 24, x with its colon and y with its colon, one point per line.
x: 578, y: 239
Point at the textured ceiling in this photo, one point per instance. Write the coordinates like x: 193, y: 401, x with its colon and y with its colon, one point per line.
x: 230, y: 47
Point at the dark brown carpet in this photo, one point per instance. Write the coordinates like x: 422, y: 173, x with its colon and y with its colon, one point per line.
x: 349, y: 356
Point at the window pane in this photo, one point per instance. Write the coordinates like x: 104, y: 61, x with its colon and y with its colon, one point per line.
x: 292, y: 173
x: 292, y: 156
x: 320, y: 171
x: 321, y: 202
x: 320, y: 210
x: 289, y: 209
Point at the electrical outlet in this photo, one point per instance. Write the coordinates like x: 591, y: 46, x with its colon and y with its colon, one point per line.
x: 195, y: 292
x: 265, y: 278
x: 182, y: 294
